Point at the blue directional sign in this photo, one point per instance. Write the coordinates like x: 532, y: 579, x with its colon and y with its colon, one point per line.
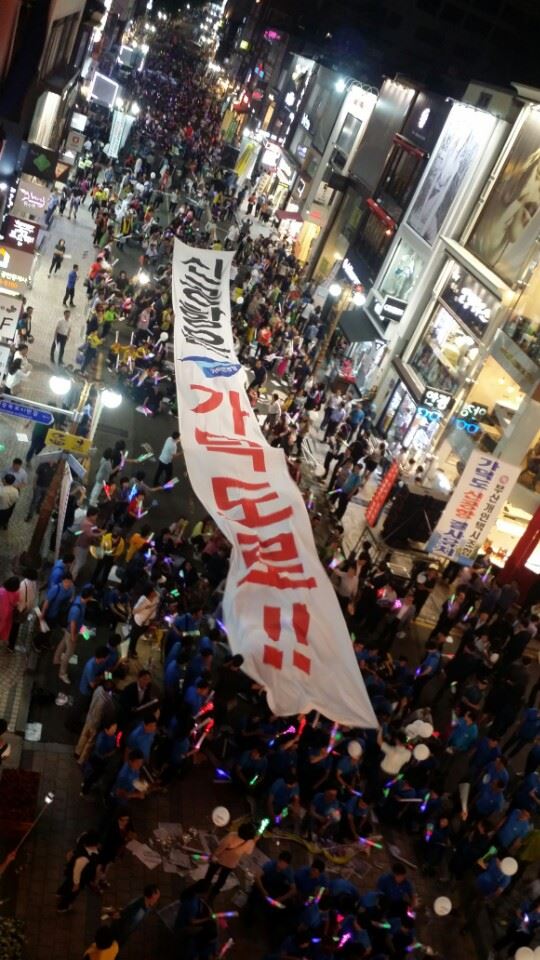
x: 13, y: 408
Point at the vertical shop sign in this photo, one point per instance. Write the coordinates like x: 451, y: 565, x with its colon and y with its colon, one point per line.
x: 485, y: 485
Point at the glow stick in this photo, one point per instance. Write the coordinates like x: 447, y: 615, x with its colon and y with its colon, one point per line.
x: 225, y: 948
x: 264, y: 824
x: 333, y: 735
x: 144, y: 456
x: 203, y: 735
x: 275, y: 903
x: 429, y: 832
x: 344, y: 939
x: 370, y: 843
x: 201, y: 856
x: 423, y: 808
x: 222, y: 774
x: 226, y: 913
x: 171, y: 483
x: 254, y: 780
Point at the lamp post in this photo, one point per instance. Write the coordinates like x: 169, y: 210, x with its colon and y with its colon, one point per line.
x: 47, y: 800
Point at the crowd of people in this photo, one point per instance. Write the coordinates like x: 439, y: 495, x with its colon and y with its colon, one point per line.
x: 440, y: 770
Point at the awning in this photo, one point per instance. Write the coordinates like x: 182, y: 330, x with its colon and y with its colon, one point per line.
x: 289, y: 215
x: 358, y: 327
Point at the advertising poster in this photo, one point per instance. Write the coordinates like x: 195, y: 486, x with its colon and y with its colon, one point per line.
x: 508, y: 227
x: 462, y: 141
x: 10, y: 309
x: 473, y: 508
x: 280, y: 609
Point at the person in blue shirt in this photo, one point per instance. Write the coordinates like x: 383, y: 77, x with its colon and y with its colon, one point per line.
x: 489, y: 800
x: 75, y: 620
x: 58, y: 600
x: 183, y: 625
x: 496, y: 770
x: 142, y: 736
x: 515, y: 828
x: 353, y: 928
x: 251, y: 768
x: 284, y: 794
x: 60, y: 569
x: 199, y: 665
x: 492, y: 882
x: 358, y: 823
x: 113, y: 657
x: 70, y: 286
x: 308, y: 880
x: 196, y: 696
x: 428, y: 668
x: 533, y: 757
x: 464, y: 733
x: 283, y: 759
x: 124, y: 786
x: 527, y: 797
x: 274, y: 881
x: 94, y: 668
x: 104, y: 748
x: 397, y: 891
x: 326, y: 811
x: 436, y: 843
x: 174, y: 676
x: 348, y: 489
x: 485, y: 751
x: 527, y: 731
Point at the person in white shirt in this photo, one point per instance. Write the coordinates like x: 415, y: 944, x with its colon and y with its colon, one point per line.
x: 28, y: 599
x: 165, y: 462
x: 274, y: 413
x: 8, y: 498
x: 61, y: 337
x: 144, y: 613
x: 396, y: 755
x: 18, y: 471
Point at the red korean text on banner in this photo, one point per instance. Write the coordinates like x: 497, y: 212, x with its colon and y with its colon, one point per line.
x: 280, y: 609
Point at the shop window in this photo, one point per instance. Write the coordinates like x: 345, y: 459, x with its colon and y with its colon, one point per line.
x: 374, y: 238
x: 403, y: 273
x: 445, y: 354
x: 348, y: 134
x: 523, y: 327
x: 397, y: 415
x: 469, y: 300
x: 399, y: 178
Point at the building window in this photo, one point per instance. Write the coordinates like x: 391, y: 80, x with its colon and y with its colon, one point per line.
x: 374, y: 239
x: 400, y: 177
x: 59, y: 44
x: 445, y: 354
x: 403, y: 272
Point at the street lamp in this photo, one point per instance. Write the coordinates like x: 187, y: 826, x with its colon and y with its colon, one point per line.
x: 359, y: 298
x: 60, y: 385
x: 334, y: 290
x: 135, y: 109
x: 341, y: 85
x: 111, y: 399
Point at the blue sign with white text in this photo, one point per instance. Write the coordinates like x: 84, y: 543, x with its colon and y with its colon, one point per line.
x: 12, y: 408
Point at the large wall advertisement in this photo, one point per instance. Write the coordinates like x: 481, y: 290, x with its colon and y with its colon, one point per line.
x: 462, y: 142
x: 509, y: 224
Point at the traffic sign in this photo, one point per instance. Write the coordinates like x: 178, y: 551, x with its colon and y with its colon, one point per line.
x: 68, y: 441
x: 12, y: 408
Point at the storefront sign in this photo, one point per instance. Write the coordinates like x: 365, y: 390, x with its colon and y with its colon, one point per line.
x: 392, y: 308
x: 350, y: 272
x: 120, y: 127
x: 437, y: 400
x: 68, y: 441
x: 30, y: 199
x: 40, y: 162
x: 516, y: 363
x: 15, y: 269
x: 473, y: 412
x: 273, y: 36
x: 280, y: 610
x: 10, y: 309
x: 305, y: 121
x: 381, y: 494
x: 75, y: 141
x: 20, y: 233
x: 473, y: 508
x: 469, y: 300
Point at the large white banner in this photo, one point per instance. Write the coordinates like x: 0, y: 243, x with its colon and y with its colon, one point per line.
x: 280, y: 610
x: 483, y: 488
